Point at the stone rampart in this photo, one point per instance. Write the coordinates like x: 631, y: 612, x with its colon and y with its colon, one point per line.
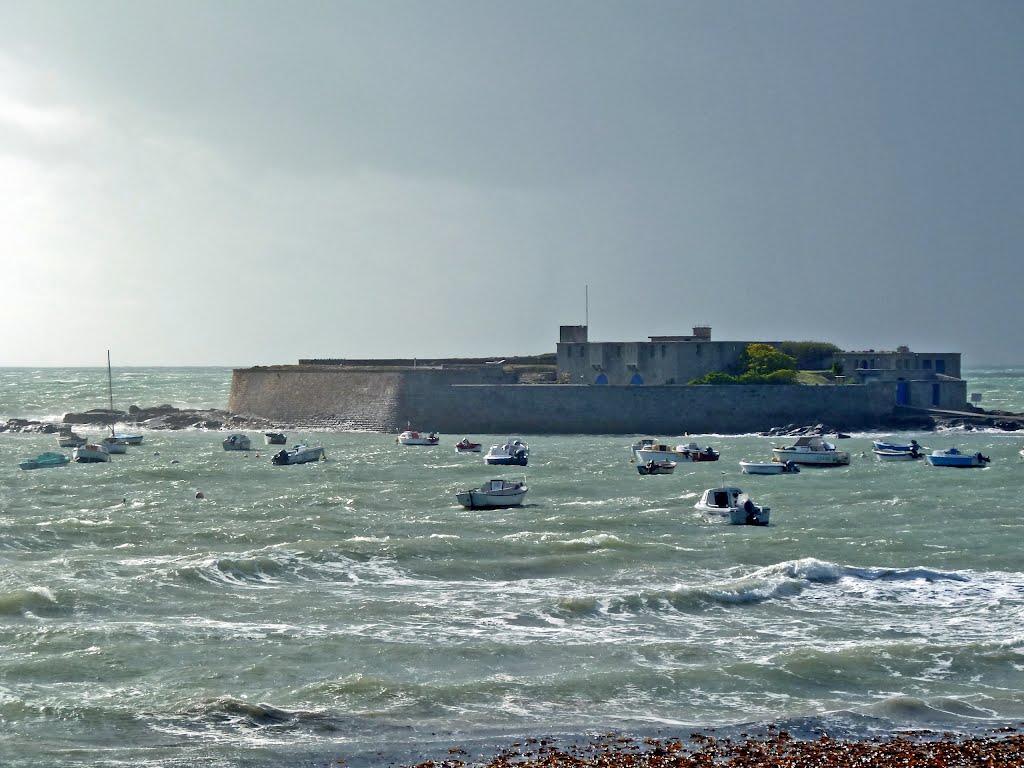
x: 453, y: 401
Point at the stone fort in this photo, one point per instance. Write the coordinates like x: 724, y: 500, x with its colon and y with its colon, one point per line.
x: 588, y: 387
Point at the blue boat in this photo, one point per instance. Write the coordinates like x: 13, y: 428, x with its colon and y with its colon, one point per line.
x: 47, y: 459
x: 954, y: 458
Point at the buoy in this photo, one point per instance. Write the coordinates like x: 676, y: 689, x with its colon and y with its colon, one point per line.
x: 199, y: 495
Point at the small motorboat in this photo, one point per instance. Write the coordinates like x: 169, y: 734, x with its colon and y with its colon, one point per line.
x: 656, y: 468
x: 882, y: 445
x: 128, y: 438
x: 732, y: 504
x: 494, y: 494
x: 954, y: 458
x: 665, y: 452
x: 300, y: 454
x: 513, y: 452
x: 466, y: 446
x: 237, y: 442
x: 895, y: 454
x: 275, y: 438
x: 90, y: 453
x: 68, y: 438
x: 813, y: 450
x: 113, y: 445
x: 412, y: 437
x: 46, y: 459
x: 768, y: 467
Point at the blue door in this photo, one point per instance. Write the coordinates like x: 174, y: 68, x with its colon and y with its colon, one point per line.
x: 940, y: 366
x: 601, y: 379
x: 637, y: 379
x: 935, y: 395
x: 902, y: 393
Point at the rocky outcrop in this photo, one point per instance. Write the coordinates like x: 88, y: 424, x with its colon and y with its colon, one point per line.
x: 157, y: 417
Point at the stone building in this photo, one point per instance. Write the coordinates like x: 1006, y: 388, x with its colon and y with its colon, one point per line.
x: 659, y: 360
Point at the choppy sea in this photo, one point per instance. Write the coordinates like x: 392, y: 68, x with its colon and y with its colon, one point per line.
x: 351, y: 610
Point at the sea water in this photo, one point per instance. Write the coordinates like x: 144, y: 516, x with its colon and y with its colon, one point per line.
x: 351, y: 610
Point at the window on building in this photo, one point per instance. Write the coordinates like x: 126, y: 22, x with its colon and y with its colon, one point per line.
x: 662, y: 350
x: 926, y: 364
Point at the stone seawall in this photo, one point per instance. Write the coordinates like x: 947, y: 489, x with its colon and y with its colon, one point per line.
x: 454, y: 401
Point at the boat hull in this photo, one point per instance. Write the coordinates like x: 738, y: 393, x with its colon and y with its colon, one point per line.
x: 959, y: 461
x: 892, y: 455
x: 237, y: 443
x: 762, y: 467
x: 656, y: 468
x: 91, y: 454
x: 44, y: 460
x: 300, y: 455
x: 813, y: 458
x: 498, y: 494
x: 275, y: 438
x: 114, y: 446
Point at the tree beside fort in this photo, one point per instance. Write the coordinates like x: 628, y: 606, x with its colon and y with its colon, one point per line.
x: 759, y: 364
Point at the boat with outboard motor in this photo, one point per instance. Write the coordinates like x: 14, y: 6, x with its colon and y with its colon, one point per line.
x: 665, y: 452
x: 494, y: 494
x: 237, y: 442
x: 732, y: 504
x: 954, y: 458
x: 275, y: 438
x: 412, y: 437
x: 68, y: 438
x: 656, y: 467
x: 465, y: 445
x: 300, y: 454
x: 813, y: 451
x: 513, y: 452
x: 768, y: 467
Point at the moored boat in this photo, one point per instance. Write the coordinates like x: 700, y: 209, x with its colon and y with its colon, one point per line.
x: 768, y: 467
x: 465, y: 445
x: 113, y: 445
x: 91, y: 453
x: 732, y: 504
x: 883, y: 445
x: 954, y: 458
x: 494, y: 494
x: 300, y: 454
x: 812, y: 451
x: 68, y: 438
x: 656, y: 468
x: 890, y: 454
x: 237, y: 442
x: 45, y: 459
x: 412, y: 437
x: 683, y: 452
x: 275, y: 438
x: 512, y: 452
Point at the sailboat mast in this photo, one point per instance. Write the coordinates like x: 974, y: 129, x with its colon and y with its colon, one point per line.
x: 110, y: 390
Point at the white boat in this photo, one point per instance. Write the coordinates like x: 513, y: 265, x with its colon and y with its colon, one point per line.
x: 412, y: 437
x: 46, y: 459
x: 646, y: 442
x: 300, y: 454
x: 494, y: 494
x: 732, y: 504
x: 512, y: 452
x: 882, y: 445
x: 275, y: 438
x: 90, y: 453
x: 113, y: 445
x: 889, y: 454
x: 954, y: 458
x: 67, y: 438
x: 665, y: 452
x: 237, y: 442
x: 656, y: 468
x: 768, y: 467
x: 812, y: 450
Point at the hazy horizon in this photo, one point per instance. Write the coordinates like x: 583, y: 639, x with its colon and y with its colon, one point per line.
x: 187, y: 183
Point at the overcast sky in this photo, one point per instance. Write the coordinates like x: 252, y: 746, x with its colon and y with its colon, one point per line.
x: 242, y: 183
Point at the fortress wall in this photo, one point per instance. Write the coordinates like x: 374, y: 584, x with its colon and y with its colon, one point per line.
x: 389, y: 400
x: 569, y: 409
